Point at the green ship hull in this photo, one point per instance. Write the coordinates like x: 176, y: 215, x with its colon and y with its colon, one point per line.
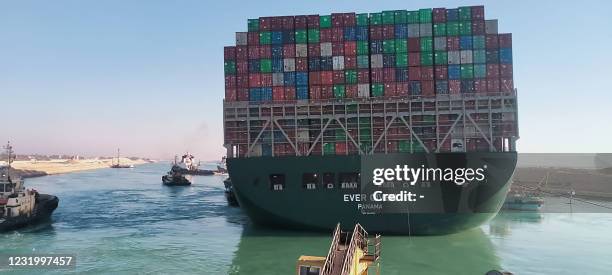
x: 450, y: 208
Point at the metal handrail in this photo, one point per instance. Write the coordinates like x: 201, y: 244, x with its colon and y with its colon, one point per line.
x: 359, y: 234
x: 327, y: 266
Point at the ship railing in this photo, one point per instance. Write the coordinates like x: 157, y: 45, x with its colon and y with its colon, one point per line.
x: 329, y: 260
x: 357, y: 241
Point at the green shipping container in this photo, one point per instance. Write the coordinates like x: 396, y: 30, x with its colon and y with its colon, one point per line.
x: 325, y: 21
x: 403, y: 146
x: 479, y: 56
x: 265, y: 38
x: 465, y: 28
x: 465, y: 13
x: 301, y: 37
x: 412, y: 17
x: 426, y: 59
x: 340, y: 135
x: 480, y: 71
x: 467, y: 71
x: 426, y: 44
x: 452, y: 28
x: 362, y: 19
x: 389, y: 46
x: 253, y: 25
x: 388, y: 17
x: 365, y: 147
x: 417, y: 148
x: 439, y: 29
x: 329, y: 148
x: 425, y: 15
x: 265, y: 65
x: 478, y: 42
x: 441, y: 58
x: 364, y: 122
x: 229, y: 67
x: 313, y: 36
x: 362, y: 47
x: 401, y: 45
x: 401, y: 60
x: 350, y: 76
x: 339, y: 91
x: 378, y: 89
x: 376, y: 18
x: 363, y: 61
x: 365, y: 134
x: 429, y: 119
x: 401, y: 17
x: 352, y: 108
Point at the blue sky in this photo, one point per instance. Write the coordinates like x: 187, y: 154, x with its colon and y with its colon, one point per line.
x: 86, y: 77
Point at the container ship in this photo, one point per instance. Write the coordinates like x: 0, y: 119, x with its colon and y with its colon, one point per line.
x: 314, y: 102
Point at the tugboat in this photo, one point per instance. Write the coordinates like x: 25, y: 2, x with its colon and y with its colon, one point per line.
x: 175, y: 178
x: 187, y: 166
x: 118, y: 164
x: 526, y: 200
x: 19, y: 206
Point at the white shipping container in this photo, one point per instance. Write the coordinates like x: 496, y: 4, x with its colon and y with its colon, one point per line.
x: 466, y: 57
x: 241, y: 39
x: 301, y: 50
x: 278, y: 79
x: 425, y: 29
x: 363, y: 90
x: 457, y: 145
x: 326, y: 49
x: 338, y: 63
x: 289, y: 64
x: 376, y: 61
x: 491, y: 26
x: 413, y: 30
x: 440, y: 43
x: 302, y: 135
x: 454, y: 57
x: 256, y: 152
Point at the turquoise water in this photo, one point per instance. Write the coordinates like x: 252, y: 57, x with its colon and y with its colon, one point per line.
x: 123, y: 221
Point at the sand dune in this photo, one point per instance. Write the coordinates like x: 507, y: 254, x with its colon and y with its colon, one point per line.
x: 66, y: 166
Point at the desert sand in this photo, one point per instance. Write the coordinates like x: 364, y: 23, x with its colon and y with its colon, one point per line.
x: 67, y: 166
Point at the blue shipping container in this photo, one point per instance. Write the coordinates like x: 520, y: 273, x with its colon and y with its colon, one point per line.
x: 277, y: 51
x: 415, y: 87
x: 376, y: 47
x: 389, y: 60
x: 442, y: 87
x: 454, y: 72
x: 492, y: 56
x: 361, y: 33
x: 288, y: 37
x: 289, y: 79
x: 326, y: 64
x: 266, y: 149
x: 401, y: 31
x: 467, y: 86
x: 266, y: 94
x: 452, y: 15
x: 301, y: 92
x: 254, y: 94
x: 277, y: 37
x: 254, y: 66
x: 301, y: 79
x: 465, y: 42
x: 314, y: 64
x: 505, y: 55
x: 277, y: 65
x: 349, y: 34
x: 401, y: 74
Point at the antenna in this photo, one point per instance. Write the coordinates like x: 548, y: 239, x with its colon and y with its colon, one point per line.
x: 9, y: 153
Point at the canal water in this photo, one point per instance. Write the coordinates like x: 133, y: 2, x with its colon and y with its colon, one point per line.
x: 123, y: 221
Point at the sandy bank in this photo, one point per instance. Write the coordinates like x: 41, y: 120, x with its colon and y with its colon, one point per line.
x: 66, y: 166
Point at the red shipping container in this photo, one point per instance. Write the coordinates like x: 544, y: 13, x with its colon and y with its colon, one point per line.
x: 414, y: 44
x: 390, y: 90
x: 388, y: 31
x: 478, y: 13
x: 350, y: 48
x: 327, y: 91
x: 492, y: 70
x: 427, y: 73
x: 314, y: 78
x: 414, y: 59
x: 301, y: 64
x: 392, y: 146
x: 414, y: 73
x: 290, y: 93
x: 337, y: 20
x: 264, y: 23
x: 376, y: 75
x: 265, y: 51
x: 506, y: 85
x: 402, y: 88
x: 493, y: 85
x: 289, y: 50
x: 325, y: 35
x: 348, y: 19
x: 341, y: 148
x: 505, y: 40
x: 427, y: 88
x: 242, y: 81
x: 230, y: 94
x: 300, y: 22
x: 439, y: 15
x: 266, y: 79
x: 242, y: 94
x: 351, y: 90
x: 389, y: 75
x: 288, y: 23
x: 350, y: 62
x: 278, y: 93
x: 314, y: 92
x: 363, y: 76
x: 327, y: 77
x: 242, y: 67
x: 338, y: 77
x: 254, y: 52
x: 478, y: 27
x: 452, y: 43
x: 242, y: 53
x: 229, y: 53
x: 441, y: 72
x: 276, y: 23
x: 230, y: 81
x: 338, y: 34
x: 338, y: 48
x: 491, y: 41
x: 313, y: 21
x: 376, y: 33
x: 252, y: 38
x: 505, y: 70
x: 254, y: 80
x: 480, y: 86
x: 454, y: 87
x: 314, y: 49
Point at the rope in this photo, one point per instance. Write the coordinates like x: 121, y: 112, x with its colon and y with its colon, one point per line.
x: 565, y: 196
